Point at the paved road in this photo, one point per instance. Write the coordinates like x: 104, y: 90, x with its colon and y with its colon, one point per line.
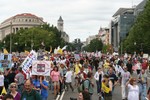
x: 67, y: 94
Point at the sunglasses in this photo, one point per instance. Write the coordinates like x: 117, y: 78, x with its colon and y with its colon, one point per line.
x: 13, y: 87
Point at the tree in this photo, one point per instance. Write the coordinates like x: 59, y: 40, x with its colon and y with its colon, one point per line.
x: 139, y: 35
x: 35, y: 38
x: 95, y: 45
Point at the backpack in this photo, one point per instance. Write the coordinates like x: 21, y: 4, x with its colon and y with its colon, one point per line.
x: 81, y: 87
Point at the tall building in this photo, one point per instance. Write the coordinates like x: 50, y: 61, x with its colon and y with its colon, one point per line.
x: 60, y: 27
x: 120, y: 25
x: 60, y: 24
x: 140, y: 7
x: 19, y: 21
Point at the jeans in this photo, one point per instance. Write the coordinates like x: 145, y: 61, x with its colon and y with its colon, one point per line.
x: 124, y: 91
x: 143, y: 91
x: 69, y: 84
x: 98, y: 86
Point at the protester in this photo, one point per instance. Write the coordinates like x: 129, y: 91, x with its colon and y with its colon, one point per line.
x: 125, y: 76
x: 6, y: 80
x: 29, y: 93
x: 107, y: 91
x: 129, y: 66
x: 88, y: 84
x: 19, y: 79
x: 112, y: 77
x: 55, y: 77
x: 98, y: 77
x: 1, y: 81
x: 133, y: 89
x: 143, y: 83
x: 68, y: 79
x: 84, y: 96
x: 36, y: 83
x: 138, y: 65
x: 77, y: 68
x: 8, y: 97
x: 44, y: 88
x: 13, y: 91
x: 11, y: 75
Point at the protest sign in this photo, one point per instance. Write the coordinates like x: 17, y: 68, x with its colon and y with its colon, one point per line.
x: 28, y: 61
x: 77, y: 56
x: 41, y: 68
x: 145, y: 56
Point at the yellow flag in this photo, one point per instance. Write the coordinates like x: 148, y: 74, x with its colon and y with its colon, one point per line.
x: 105, y: 88
x: 3, y: 91
x: 26, y: 52
x: 60, y: 51
x: 5, y: 51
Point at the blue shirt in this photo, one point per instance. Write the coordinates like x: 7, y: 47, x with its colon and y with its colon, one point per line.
x: 36, y: 83
x: 44, y: 92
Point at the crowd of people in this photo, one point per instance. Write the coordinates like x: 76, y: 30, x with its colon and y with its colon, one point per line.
x: 107, y: 71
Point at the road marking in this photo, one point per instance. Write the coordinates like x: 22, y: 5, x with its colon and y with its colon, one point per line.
x: 58, y: 97
x: 62, y: 95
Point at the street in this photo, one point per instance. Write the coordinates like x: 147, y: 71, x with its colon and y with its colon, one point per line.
x: 66, y: 95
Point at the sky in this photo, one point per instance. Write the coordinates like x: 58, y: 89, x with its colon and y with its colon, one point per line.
x: 82, y: 18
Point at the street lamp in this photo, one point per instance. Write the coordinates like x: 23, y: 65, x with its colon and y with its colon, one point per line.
x: 10, y: 36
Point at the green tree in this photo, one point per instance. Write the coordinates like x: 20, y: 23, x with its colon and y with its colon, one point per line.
x: 139, y: 35
x: 32, y: 38
x: 95, y: 45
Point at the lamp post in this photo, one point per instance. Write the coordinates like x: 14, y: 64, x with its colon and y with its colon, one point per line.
x: 10, y: 37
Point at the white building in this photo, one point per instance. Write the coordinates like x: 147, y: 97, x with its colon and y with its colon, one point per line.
x: 19, y: 21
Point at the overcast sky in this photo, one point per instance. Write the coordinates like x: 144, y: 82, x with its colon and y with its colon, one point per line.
x: 81, y: 17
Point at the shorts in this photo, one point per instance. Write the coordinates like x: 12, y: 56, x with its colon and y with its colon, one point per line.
x: 56, y: 83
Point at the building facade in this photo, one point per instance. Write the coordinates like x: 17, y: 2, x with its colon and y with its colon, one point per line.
x: 19, y: 21
x: 120, y: 25
x: 104, y: 35
x: 122, y: 22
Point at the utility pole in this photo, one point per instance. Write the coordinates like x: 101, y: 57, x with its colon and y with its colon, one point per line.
x: 10, y: 36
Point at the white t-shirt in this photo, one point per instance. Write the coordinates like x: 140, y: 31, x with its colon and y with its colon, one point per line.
x: 1, y: 80
x: 68, y: 76
x: 125, y: 77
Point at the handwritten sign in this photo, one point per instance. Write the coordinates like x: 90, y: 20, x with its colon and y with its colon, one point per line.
x: 28, y: 61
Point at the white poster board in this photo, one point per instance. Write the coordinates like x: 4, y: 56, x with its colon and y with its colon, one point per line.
x: 145, y: 56
x: 41, y: 68
x: 28, y: 61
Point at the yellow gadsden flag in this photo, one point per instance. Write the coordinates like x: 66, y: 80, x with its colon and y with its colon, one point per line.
x: 105, y: 88
x: 5, y: 51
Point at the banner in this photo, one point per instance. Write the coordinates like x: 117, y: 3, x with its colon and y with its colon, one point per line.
x: 41, y: 68
x: 28, y: 61
x: 5, y: 60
